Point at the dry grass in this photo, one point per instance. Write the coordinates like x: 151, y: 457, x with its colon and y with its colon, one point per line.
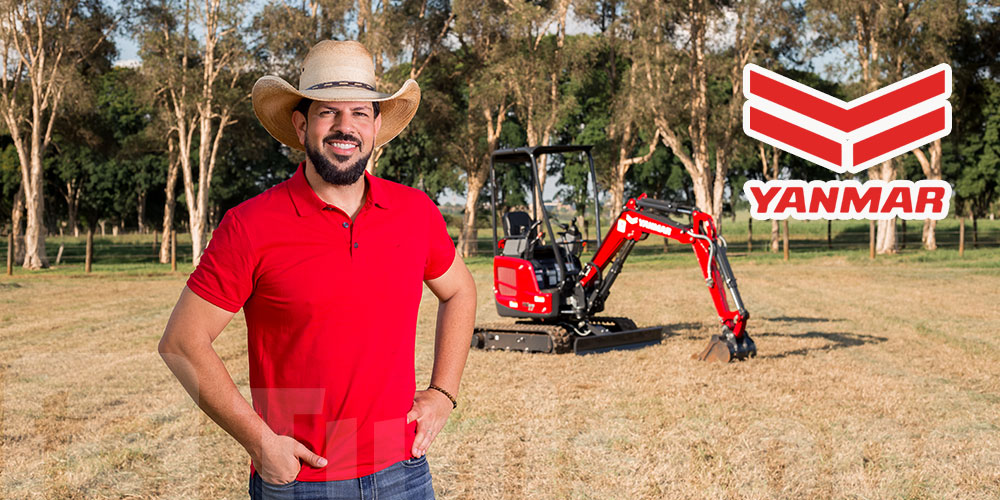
x: 873, y: 381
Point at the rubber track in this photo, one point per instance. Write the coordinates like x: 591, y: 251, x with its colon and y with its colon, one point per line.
x: 560, y: 334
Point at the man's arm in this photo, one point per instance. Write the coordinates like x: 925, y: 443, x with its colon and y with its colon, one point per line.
x: 186, y: 347
x: 455, y: 320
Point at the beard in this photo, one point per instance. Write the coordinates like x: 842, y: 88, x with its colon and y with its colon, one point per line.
x: 328, y: 171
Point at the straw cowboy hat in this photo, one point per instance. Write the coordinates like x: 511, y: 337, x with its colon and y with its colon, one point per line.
x: 332, y: 71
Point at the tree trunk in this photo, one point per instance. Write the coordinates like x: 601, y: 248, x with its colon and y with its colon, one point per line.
x: 34, y: 233
x: 73, y: 205
x: 829, y: 234
x: 623, y: 166
x: 886, y: 237
x: 10, y: 254
x: 617, y: 196
x: 168, y: 207
x: 775, y: 235
x: 928, y: 237
x: 902, y: 235
x: 975, y: 232
x: 932, y: 171
x: 885, y: 242
x: 16, y: 218
x: 141, y: 208
x: 467, y: 239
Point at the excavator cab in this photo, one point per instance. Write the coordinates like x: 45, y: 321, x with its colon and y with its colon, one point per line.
x: 523, y: 240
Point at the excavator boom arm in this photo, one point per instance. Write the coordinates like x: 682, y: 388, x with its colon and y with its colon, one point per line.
x: 643, y: 217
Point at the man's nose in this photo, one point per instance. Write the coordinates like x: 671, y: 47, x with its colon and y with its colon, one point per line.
x: 345, y: 122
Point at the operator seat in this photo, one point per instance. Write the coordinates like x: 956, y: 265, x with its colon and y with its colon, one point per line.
x: 519, y: 238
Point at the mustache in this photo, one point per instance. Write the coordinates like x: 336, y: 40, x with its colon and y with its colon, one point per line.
x: 342, y: 137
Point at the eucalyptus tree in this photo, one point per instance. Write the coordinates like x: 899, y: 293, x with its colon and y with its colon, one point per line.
x: 486, y: 77
x: 42, y: 45
x: 886, y: 41
x: 689, y: 57
x: 540, y: 103
x: 194, y: 53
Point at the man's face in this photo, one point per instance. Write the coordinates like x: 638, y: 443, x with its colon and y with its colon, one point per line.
x: 339, y: 138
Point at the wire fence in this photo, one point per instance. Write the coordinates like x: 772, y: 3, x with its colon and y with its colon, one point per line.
x: 133, y: 248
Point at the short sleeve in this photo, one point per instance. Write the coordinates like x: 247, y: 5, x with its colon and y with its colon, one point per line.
x: 441, y: 249
x: 224, y: 275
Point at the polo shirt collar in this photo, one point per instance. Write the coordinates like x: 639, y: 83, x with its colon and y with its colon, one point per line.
x: 307, y: 202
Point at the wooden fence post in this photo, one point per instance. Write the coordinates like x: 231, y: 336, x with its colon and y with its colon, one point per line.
x: 10, y: 254
x: 961, y: 236
x: 871, y: 239
x: 173, y: 250
x: 90, y: 250
x: 784, y: 239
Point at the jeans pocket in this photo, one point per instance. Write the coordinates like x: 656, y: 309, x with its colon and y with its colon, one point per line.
x: 415, y: 462
x: 273, y: 486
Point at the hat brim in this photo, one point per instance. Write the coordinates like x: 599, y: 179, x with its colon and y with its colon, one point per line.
x: 274, y: 99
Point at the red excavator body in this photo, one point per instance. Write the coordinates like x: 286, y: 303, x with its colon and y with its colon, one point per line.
x: 556, y: 298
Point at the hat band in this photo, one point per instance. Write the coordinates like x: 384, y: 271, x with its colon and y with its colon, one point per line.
x: 341, y: 83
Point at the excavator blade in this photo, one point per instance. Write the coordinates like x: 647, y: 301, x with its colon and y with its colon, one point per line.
x: 607, y: 334
x: 627, y: 339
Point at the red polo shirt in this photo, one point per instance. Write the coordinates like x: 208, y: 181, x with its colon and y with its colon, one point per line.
x: 331, y: 311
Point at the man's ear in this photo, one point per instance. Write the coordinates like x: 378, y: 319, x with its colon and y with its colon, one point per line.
x: 299, y: 124
x: 378, y: 123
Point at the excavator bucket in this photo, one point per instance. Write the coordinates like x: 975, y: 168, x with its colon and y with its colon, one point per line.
x: 725, y: 348
x: 716, y: 351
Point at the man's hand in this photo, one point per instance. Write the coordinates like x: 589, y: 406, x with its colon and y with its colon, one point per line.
x: 430, y: 410
x: 279, y: 460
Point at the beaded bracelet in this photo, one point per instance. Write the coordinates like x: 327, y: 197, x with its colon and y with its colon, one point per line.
x: 454, y: 404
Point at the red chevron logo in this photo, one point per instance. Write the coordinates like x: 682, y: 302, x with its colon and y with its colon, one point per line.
x: 846, y: 136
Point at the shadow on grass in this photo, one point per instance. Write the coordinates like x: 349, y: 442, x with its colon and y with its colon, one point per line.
x: 802, y: 319
x: 691, y: 329
x: 837, y: 340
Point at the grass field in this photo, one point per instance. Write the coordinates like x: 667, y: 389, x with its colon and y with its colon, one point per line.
x: 874, y: 380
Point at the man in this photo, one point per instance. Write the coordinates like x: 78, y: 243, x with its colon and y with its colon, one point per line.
x: 328, y: 267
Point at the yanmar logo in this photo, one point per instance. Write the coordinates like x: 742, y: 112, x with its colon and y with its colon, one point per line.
x: 847, y: 138
x: 648, y: 224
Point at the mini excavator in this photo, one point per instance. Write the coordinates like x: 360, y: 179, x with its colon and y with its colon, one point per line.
x: 556, y: 299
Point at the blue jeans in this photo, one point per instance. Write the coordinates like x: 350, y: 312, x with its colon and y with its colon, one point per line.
x: 406, y: 480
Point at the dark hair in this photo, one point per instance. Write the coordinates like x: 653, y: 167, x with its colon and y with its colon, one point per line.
x: 303, y: 107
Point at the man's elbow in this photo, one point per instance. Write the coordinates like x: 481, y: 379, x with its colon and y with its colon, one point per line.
x: 466, y: 291
x: 174, y: 343
x: 167, y: 345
